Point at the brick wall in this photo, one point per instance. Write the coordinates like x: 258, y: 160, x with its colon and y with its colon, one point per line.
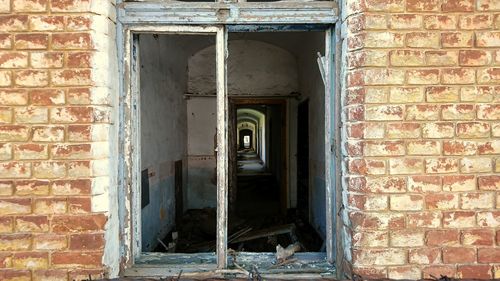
x: 53, y: 133
x: 422, y: 113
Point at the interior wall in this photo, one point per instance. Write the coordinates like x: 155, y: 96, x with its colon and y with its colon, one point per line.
x: 202, y: 129
x: 312, y: 88
x: 163, y: 130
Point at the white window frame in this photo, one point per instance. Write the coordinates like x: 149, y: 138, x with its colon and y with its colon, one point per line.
x: 129, y: 169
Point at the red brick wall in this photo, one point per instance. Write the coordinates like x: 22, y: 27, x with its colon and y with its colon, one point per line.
x: 422, y: 109
x: 48, y: 230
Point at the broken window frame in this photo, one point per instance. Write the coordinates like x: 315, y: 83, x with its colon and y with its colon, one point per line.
x: 216, y: 19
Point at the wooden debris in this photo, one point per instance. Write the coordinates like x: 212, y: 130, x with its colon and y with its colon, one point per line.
x: 281, y: 229
x: 283, y: 254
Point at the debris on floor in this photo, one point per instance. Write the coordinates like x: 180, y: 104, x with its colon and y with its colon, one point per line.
x: 197, y: 233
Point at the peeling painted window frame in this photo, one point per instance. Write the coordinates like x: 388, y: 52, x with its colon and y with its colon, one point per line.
x: 217, y: 19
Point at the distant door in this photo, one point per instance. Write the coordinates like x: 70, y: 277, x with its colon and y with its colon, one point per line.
x: 303, y: 159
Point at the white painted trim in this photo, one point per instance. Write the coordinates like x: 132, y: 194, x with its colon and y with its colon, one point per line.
x: 222, y: 146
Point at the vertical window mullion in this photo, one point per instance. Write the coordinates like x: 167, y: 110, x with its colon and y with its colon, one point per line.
x: 222, y: 146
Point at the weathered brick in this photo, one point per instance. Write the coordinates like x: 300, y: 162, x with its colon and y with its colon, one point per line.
x: 15, y: 275
x: 31, y: 187
x: 401, y: 272
x: 11, y: 59
x: 30, y: 151
x: 441, y: 58
x: 458, y: 112
x: 30, y: 5
x: 442, y: 238
x: 71, y: 187
x: 79, y: 205
x: 5, y: 41
x: 6, y: 188
x: 32, y: 224
x: 31, y: 115
x: 50, y: 206
x: 405, y: 166
x: 459, y: 219
x: 459, y: 183
x: 473, y: 130
x: 32, y: 78
x: 406, y: 238
x: 78, y: 23
x: 422, y: 5
x: 377, y: 221
x: 458, y: 147
x: 386, y: 185
x: 441, y: 165
x: 477, y: 200
x: 10, y: 23
x: 50, y: 274
x: 438, y: 270
x: 71, y: 77
x: 459, y: 255
x: 406, y: 95
x: 79, y: 223
x: 369, y: 202
x: 15, y: 242
x: 489, y: 75
x: 474, y: 271
x: 488, y: 5
x: 475, y: 22
x: 49, y: 242
x: 86, y: 242
x: 423, y: 220
x: 32, y: 41
x: 422, y: 40
x: 46, y: 23
x: 488, y: 255
x: 71, y: 115
x: 384, y: 148
x: 5, y: 151
x: 71, y: 41
x: 79, y: 96
x: 405, y: 21
x: 384, y: 112
x: 13, y: 97
x: 488, y: 112
x: 458, y: 5
x: 423, y: 76
x: 488, y: 219
x: 76, y: 259
x: 478, y: 237
x: 458, y: 76
x: 489, y: 182
x: 422, y: 112
x: 47, y: 170
x: 377, y: 39
x: 387, y: 256
x: 83, y: 59
x: 424, y: 256
x: 441, y: 94
x: 438, y: 130
x: 48, y: 133
x: 70, y: 5
x: 5, y: 78
x: 440, y: 22
x: 404, y: 202
x: 457, y: 39
x: 477, y: 94
x: 47, y: 59
x: 15, y: 170
x: 424, y: 184
x: 441, y: 201
x: 488, y: 39
x: 423, y: 148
